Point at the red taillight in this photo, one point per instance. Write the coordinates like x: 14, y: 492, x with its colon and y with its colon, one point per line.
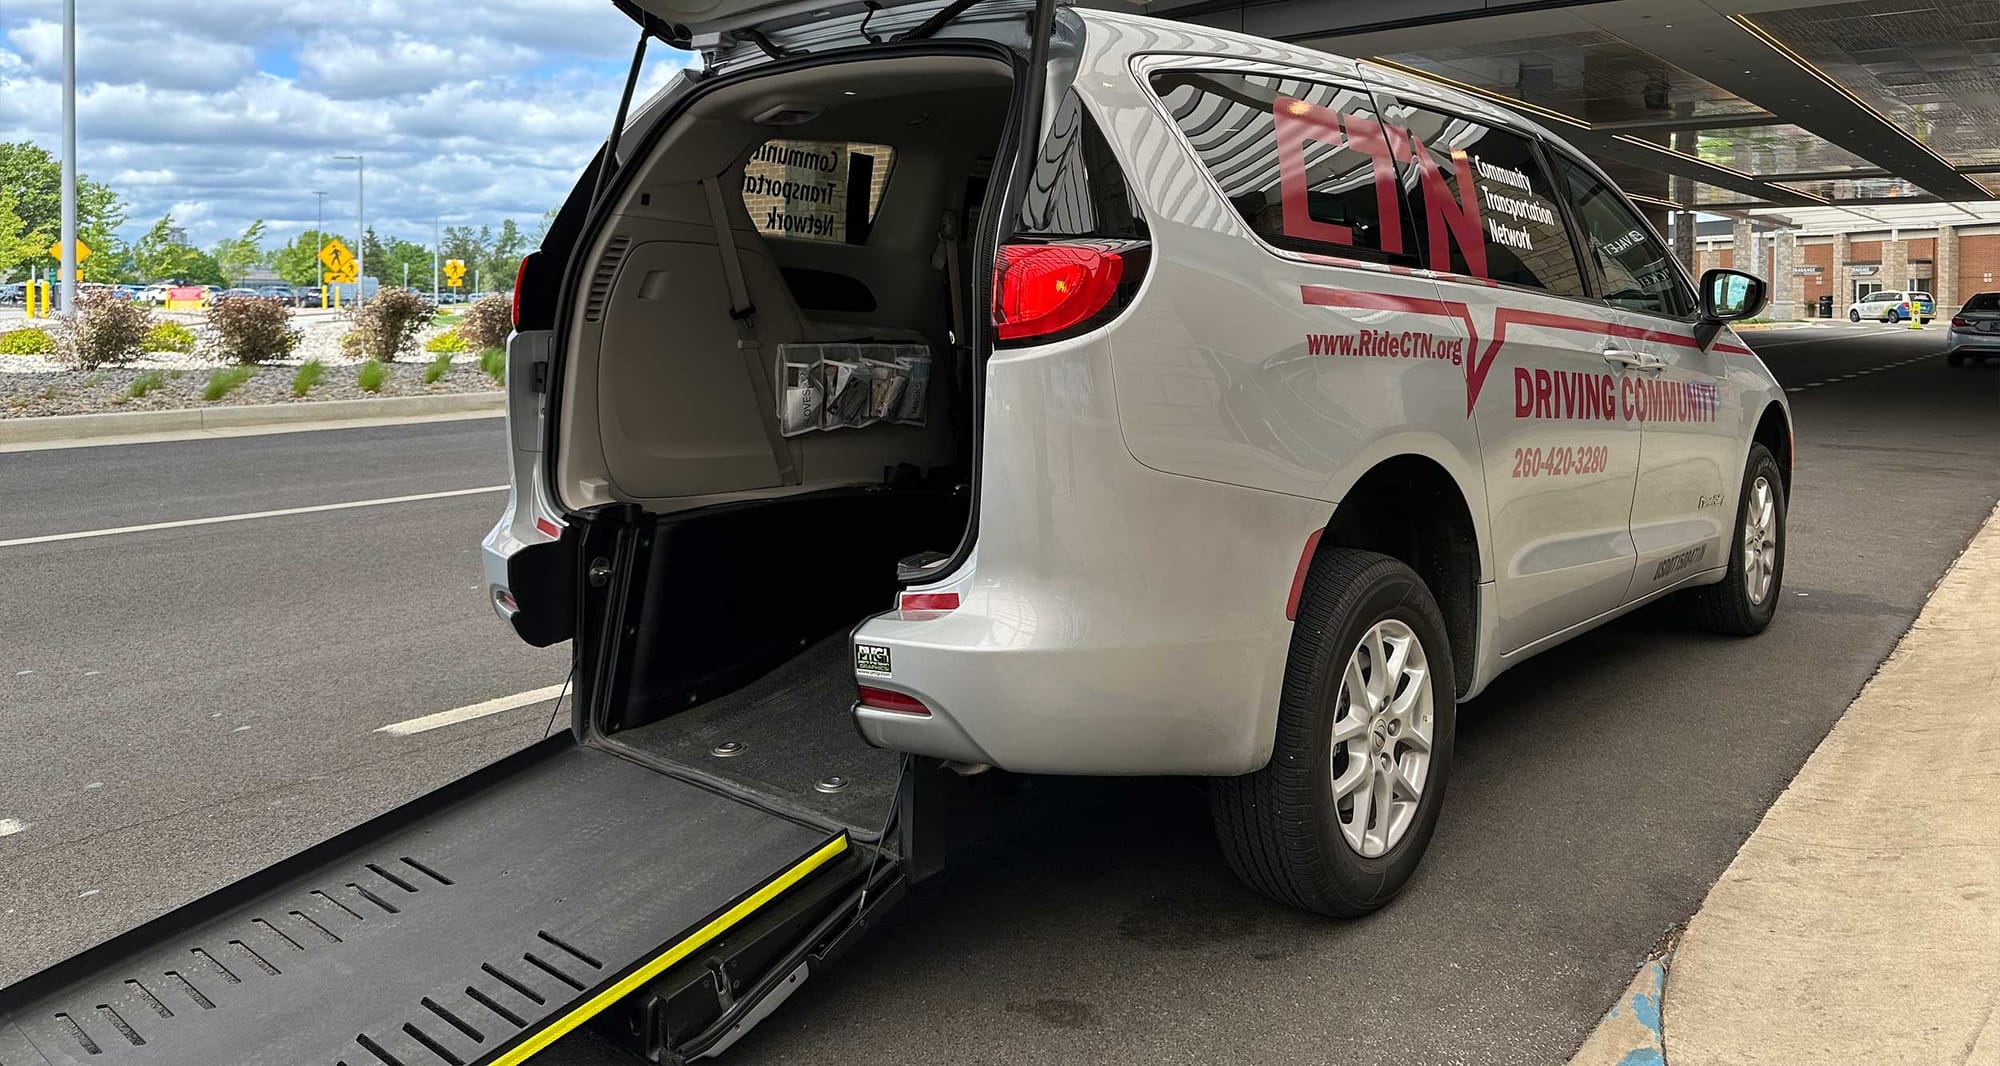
x: 520, y: 273
x: 1040, y: 289
x: 882, y: 699
x: 928, y: 601
x: 1960, y: 320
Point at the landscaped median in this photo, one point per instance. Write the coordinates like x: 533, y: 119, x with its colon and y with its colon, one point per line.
x: 245, y: 353
x: 238, y: 417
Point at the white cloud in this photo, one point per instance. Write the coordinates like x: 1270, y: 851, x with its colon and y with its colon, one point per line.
x: 232, y: 110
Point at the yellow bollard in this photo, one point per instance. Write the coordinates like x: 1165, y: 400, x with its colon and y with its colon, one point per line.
x: 1916, y: 314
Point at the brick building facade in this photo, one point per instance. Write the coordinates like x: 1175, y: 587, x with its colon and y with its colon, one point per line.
x: 1950, y: 262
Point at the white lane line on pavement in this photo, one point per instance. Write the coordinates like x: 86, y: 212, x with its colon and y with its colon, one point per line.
x: 86, y: 534
x: 10, y: 826
x: 471, y: 711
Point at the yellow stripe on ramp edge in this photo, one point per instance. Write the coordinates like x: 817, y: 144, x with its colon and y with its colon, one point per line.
x: 681, y: 950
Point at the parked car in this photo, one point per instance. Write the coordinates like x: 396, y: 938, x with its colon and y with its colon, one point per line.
x: 1975, y: 330
x: 13, y: 293
x: 1891, y: 306
x: 223, y: 294
x: 1237, y: 420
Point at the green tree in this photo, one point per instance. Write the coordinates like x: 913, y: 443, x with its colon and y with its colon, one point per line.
x: 234, y: 256
x: 35, y: 178
x: 505, y: 256
x: 298, y: 261
x: 398, y: 254
x: 18, y: 243
x: 376, y: 258
x: 158, y: 257
x: 542, y: 225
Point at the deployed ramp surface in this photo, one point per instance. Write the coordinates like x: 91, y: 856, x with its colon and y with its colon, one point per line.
x: 475, y: 925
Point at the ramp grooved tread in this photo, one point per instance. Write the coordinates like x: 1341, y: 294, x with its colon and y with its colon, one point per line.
x: 464, y: 929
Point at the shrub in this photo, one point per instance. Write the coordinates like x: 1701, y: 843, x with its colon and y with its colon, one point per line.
x: 27, y: 341
x: 145, y: 383
x: 488, y: 322
x: 494, y: 362
x: 447, y: 342
x: 251, y: 329
x: 437, y: 368
x: 387, y: 325
x: 309, y: 374
x: 372, y: 376
x: 93, y: 381
x: 169, y: 337
x: 105, y: 330
x: 227, y: 380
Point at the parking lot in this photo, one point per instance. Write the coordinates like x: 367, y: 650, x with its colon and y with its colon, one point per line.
x: 189, y: 703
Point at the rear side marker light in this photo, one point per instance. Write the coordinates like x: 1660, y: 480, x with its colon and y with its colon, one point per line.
x: 547, y: 528
x: 882, y: 699
x: 1040, y: 289
x: 929, y: 601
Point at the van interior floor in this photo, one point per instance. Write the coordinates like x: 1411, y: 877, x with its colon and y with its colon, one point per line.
x: 788, y: 737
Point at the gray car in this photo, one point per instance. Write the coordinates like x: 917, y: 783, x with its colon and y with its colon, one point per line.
x: 1975, y: 330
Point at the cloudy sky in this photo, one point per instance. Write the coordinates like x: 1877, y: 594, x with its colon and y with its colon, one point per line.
x: 225, y: 111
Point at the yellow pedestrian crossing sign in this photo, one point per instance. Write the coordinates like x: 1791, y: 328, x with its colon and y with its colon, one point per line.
x: 82, y: 250
x: 454, y: 272
x: 339, y: 262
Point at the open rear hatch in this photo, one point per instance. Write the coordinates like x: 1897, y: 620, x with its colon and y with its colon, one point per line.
x: 711, y: 829
x: 477, y: 924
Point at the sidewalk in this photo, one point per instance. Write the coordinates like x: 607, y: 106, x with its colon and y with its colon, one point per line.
x: 1860, y: 923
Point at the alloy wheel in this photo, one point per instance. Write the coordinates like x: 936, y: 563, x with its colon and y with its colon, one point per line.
x: 1760, y: 541
x: 1382, y: 738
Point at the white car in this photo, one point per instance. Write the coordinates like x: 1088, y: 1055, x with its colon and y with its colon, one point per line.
x: 1891, y: 306
x: 1311, y: 398
x: 935, y: 387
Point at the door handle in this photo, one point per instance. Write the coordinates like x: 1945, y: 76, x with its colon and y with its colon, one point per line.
x: 1641, y: 361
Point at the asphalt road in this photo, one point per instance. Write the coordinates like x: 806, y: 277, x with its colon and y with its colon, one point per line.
x: 1599, y: 791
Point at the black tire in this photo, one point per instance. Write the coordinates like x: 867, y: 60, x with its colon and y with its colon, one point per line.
x: 1280, y: 826
x: 1727, y: 607
x: 1955, y: 359
x: 1853, y: 314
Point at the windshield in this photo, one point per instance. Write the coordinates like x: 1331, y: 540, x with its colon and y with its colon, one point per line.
x: 1985, y: 301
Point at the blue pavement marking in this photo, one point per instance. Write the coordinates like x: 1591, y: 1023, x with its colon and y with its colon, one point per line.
x: 1643, y: 1006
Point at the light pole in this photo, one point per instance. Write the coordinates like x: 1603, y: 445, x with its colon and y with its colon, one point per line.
x: 68, y: 255
x: 436, y: 248
x: 319, y: 241
x: 361, y: 220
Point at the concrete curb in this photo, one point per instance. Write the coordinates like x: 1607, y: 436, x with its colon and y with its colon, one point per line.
x: 199, y: 419
x: 1629, y: 1034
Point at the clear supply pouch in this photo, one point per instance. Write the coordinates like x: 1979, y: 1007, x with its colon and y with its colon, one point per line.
x: 846, y: 385
x: 886, y: 379
x: 800, y: 396
x: 911, y: 405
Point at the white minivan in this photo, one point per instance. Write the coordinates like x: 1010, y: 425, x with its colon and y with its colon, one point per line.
x: 1221, y: 408
x: 918, y: 390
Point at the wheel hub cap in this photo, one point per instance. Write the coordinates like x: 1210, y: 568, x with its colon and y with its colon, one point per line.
x: 1381, y: 738
x: 1760, y: 541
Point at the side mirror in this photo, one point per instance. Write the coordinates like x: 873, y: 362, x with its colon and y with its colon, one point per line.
x: 1726, y: 296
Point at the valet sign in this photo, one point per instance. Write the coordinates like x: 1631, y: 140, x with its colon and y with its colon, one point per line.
x: 798, y: 189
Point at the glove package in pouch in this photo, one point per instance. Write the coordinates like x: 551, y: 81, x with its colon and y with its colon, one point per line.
x: 848, y: 386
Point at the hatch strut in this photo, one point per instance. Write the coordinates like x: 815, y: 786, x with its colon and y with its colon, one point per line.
x: 618, y: 124
x: 938, y: 21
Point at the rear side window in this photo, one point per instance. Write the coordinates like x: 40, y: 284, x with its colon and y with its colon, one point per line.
x: 1484, y: 205
x: 1985, y: 301
x: 816, y: 190
x: 1305, y: 164
x: 1636, y: 273
x: 1078, y: 188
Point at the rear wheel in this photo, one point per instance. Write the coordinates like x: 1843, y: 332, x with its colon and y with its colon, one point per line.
x: 1337, y: 821
x: 1747, y: 597
x: 1955, y: 359
x: 1854, y: 314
